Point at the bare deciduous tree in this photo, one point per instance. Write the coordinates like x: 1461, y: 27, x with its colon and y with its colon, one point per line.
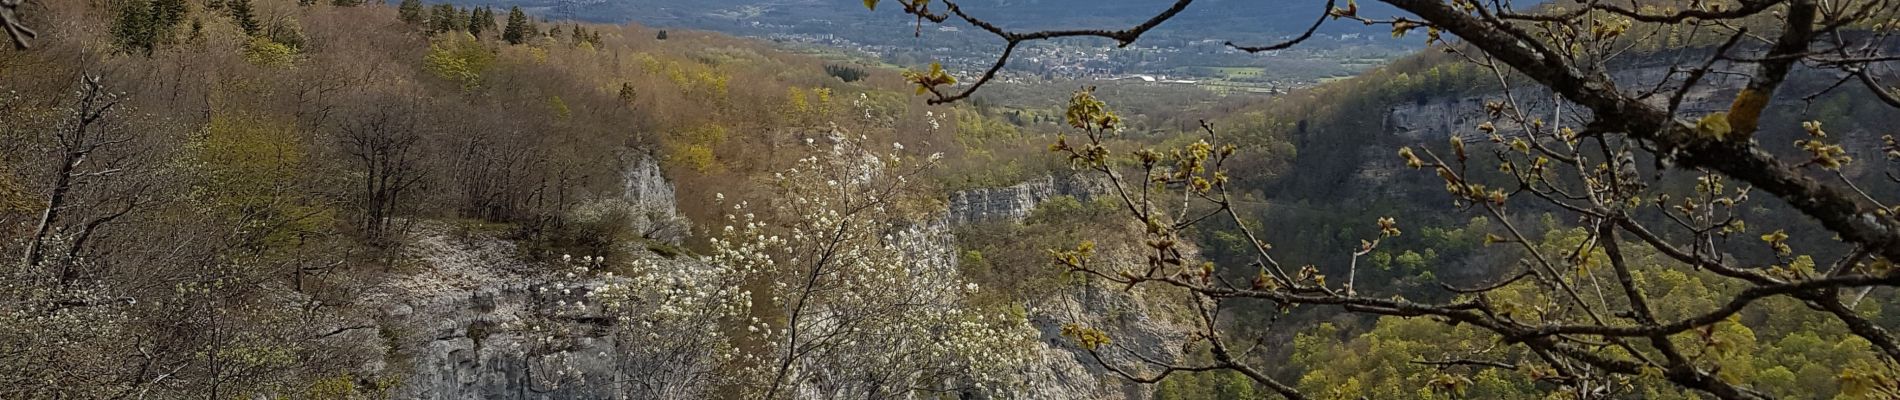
x: 78, y: 141
x: 384, y: 140
x: 10, y: 17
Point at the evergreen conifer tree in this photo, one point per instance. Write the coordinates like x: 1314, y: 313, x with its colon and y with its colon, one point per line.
x: 519, y: 29
x: 478, y: 20
x: 462, y: 18
x: 244, y: 16
x: 131, y: 31
x: 443, y: 19
x: 167, y: 14
x: 411, y: 11
x: 143, y: 26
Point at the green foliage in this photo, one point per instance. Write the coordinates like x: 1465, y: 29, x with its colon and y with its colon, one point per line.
x: 1215, y: 385
x: 559, y: 107
x: 1774, y: 347
x: 993, y: 153
x: 519, y: 29
x: 412, y: 12
x: 481, y: 20
x: 1086, y: 112
x: 249, y: 167
x: 1014, y: 258
x: 1267, y: 140
x: 266, y: 53
x: 142, y: 26
x: 1383, y: 363
x: 930, y: 80
x: 132, y: 29
x: 697, y: 80
x: 806, y: 108
x: 460, y: 58
x: 692, y: 149
x: 974, y: 129
x: 1329, y: 125
x: 1088, y: 338
x: 986, y: 170
x: 245, y: 17
x: 845, y: 72
x: 578, y: 36
x: 341, y: 387
x: 446, y: 18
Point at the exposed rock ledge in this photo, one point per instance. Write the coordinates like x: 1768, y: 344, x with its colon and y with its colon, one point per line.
x: 1015, y: 202
x: 444, y: 329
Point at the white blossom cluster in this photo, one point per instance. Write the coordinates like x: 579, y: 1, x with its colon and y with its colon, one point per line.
x: 671, y: 317
x: 863, y: 104
x: 835, y: 288
x: 44, y: 317
x: 861, y: 287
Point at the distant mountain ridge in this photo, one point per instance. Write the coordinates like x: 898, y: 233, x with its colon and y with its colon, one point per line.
x: 1238, y: 20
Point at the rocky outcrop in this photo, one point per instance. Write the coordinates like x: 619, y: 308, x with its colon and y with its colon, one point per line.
x: 1013, y: 203
x: 473, y: 321
x: 1432, y: 120
x: 651, y: 200
x: 1060, y: 370
x: 458, y: 330
x: 1057, y: 368
x: 461, y: 330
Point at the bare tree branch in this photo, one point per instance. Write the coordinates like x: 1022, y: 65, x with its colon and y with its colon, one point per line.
x: 16, y: 30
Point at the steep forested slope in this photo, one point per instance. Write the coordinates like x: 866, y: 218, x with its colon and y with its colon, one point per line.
x: 203, y: 190
x: 1345, y: 136
x: 345, y: 200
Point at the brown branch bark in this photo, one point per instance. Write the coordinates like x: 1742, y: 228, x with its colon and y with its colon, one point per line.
x: 16, y: 30
x: 1840, y: 212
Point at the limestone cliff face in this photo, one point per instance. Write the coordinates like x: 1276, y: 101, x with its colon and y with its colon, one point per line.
x: 1430, y: 121
x: 1013, y: 203
x: 456, y: 330
x: 465, y: 325
x: 1060, y: 370
x: 1063, y: 371
x: 650, y: 197
x: 1433, y: 119
x: 470, y: 323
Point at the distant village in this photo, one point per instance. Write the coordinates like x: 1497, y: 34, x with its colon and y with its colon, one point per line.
x: 1161, y: 64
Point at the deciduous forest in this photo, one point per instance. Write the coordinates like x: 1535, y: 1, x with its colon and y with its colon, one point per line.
x: 351, y: 199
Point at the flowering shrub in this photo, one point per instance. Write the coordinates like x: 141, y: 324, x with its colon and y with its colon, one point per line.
x: 46, y: 322
x: 871, y: 302
x: 839, y: 287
